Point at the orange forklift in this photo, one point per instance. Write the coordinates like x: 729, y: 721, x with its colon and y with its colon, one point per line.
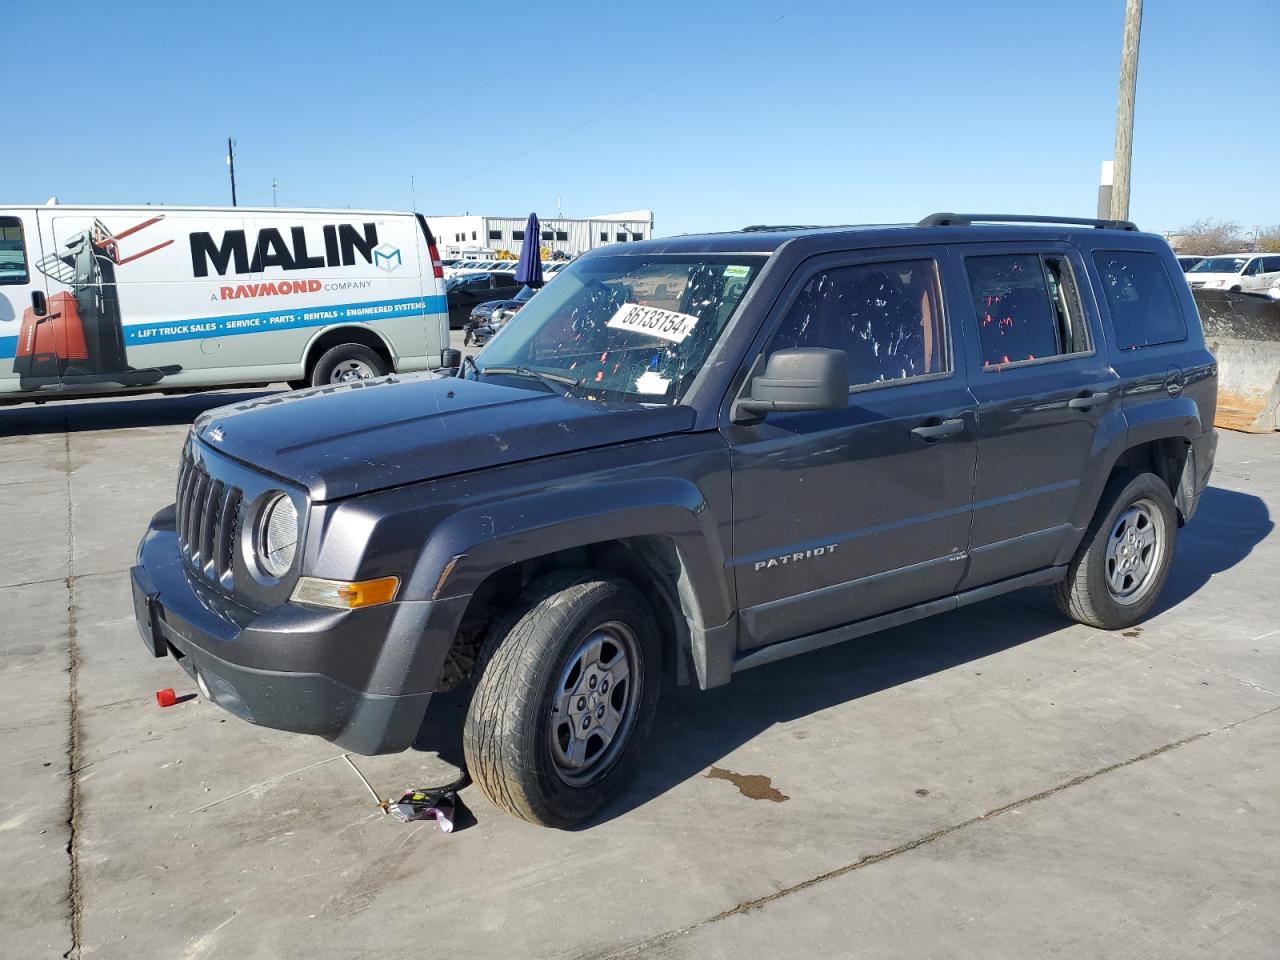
x: 78, y: 335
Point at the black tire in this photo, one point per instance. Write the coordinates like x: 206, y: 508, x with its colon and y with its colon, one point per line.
x: 1086, y: 594
x: 343, y: 354
x: 509, y: 735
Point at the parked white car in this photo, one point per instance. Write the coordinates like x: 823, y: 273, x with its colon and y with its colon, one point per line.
x: 1245, y: 272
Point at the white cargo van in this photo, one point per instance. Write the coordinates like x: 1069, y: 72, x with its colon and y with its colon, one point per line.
x: 107, y: 299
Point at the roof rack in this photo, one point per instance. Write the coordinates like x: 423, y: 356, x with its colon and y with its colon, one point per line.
x: 967, y: 219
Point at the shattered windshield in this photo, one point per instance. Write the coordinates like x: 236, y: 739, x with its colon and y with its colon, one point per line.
x: 623, y: 327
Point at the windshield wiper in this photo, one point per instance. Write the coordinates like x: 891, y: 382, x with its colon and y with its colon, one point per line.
x: 570, y: 383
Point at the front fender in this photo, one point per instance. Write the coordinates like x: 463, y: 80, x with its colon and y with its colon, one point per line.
x: 474, y: 543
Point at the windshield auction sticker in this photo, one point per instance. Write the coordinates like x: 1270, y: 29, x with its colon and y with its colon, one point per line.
x: 653, y: 321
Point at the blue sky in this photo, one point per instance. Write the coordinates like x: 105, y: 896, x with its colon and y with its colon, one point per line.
x: 714, y: 114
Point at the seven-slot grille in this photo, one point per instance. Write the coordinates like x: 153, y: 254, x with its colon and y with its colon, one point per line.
x: 208, y: 513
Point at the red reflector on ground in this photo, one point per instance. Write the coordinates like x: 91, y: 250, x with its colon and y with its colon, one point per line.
x: 166, y: 697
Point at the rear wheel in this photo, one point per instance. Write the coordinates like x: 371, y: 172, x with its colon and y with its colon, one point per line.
x: 1123, y: 562
x: 347, y: 362
x: 567, y: 687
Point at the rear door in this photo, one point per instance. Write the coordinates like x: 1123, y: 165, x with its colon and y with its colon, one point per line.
x: 469, y: 291
x: 1043, y: 385
x: 844, y: 514
x: 1269, y: 272
x: 25, y: 324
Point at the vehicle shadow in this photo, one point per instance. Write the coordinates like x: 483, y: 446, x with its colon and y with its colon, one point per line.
x: 1226, y: 528
x: 116, y: 413
x: 696, y: 729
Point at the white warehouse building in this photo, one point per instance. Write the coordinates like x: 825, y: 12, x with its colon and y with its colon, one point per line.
x: 485, y: 235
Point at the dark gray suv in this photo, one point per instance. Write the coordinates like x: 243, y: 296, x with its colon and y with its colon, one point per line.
x: 701, y: 454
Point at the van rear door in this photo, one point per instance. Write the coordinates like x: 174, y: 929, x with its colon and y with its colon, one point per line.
x: 28, y: 357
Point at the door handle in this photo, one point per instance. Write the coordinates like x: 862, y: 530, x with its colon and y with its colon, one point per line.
x: 38, y: 305
x: 931, y: 433
x: 1088, y: 401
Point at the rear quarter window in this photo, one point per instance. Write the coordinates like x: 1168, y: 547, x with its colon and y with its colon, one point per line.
x: 1141, y: 300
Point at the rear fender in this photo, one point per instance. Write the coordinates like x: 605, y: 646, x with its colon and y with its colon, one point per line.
x: 1172, y: 418
x: 1109, y: 443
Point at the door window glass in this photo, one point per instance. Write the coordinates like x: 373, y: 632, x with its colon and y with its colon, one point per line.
x: 1144, y: 309
x: 885, y: 316
x: 13, y: 256
x: 1028, y: 308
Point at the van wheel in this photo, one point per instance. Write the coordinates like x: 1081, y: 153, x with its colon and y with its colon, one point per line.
x: 347, y: 362
x: 1123, y: 562
x: 566, y: 690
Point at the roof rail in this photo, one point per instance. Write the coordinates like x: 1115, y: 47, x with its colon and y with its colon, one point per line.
x: 767, y: 228
x: 967, y: 219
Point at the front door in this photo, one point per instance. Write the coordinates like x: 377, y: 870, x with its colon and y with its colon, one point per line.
x: 1043, y: 386
x: 28, y: 328
x: 842, y: 515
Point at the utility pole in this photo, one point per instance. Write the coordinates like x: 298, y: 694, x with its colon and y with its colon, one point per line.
x: 273, y: 191
x: 1124, y: 109
x: 231, y: 163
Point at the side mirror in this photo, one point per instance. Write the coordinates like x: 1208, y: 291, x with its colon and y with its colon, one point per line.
x: 804, y: 378
x: 450, y: 359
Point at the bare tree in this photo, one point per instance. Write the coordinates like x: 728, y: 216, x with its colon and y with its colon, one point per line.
x: 1208, y: 236
x: 1269, y: 239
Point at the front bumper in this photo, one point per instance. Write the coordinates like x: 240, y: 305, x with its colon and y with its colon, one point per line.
x: 360, y: 678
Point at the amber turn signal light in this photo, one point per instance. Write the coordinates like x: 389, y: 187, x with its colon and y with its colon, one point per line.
x: 346, y: 595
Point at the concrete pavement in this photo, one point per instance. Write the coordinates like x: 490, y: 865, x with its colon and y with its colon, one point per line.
x: 990, y: 783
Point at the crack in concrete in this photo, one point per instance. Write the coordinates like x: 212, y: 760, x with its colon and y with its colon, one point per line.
x: 74, y: 904
x: 1205, y: 667
x: 1165, y: 653
x: 871, y: 859
x: 37, y: 583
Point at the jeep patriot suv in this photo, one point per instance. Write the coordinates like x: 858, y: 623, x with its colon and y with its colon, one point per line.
x: 698, y: 455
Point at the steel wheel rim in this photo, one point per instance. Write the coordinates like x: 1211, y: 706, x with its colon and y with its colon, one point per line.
x: 349, y: 370
x: 1135, y: 551
x: 595, y: 704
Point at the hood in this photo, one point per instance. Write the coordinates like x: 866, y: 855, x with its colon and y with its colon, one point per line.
x: 357, y: 437
x: 1213, y: 278
x: 486, y: 309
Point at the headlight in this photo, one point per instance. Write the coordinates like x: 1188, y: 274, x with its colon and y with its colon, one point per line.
x: 277, y: 539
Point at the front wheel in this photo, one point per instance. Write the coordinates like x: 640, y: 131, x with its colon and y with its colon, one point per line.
x: 567, y: 688
x: 1123, y: 561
